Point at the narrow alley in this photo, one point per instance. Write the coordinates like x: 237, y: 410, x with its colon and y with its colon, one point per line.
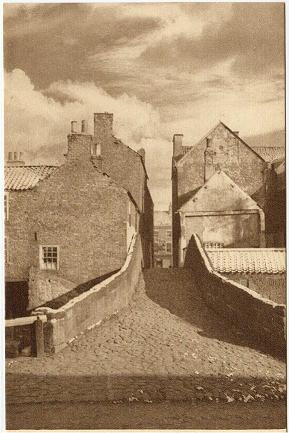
x: 167, y: 344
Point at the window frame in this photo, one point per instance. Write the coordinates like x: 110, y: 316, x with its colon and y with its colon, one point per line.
x: 95, y: 149
x: 42, y: 265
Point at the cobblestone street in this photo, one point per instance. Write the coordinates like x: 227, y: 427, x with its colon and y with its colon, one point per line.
x: 165, y: 346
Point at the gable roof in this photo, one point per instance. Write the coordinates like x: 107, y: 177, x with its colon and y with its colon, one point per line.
x: 219, y: 193
x: 248, y: 260
x: 270, y: 153
x: 190, y: 148
x: 21, y: 178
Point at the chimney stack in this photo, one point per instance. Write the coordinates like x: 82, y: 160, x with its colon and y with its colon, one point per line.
x: 15, y: 159
x: 103, y: 127
x: 177, y: 144
x: 236, y: 132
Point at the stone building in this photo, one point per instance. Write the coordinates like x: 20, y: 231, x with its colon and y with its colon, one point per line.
x: 244, y: 174
x: 163, y: 238
x: 70, y: 224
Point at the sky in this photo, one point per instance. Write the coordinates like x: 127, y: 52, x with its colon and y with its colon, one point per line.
x: 161, y: 68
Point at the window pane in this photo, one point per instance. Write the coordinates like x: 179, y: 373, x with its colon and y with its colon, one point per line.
x: 49, y: 258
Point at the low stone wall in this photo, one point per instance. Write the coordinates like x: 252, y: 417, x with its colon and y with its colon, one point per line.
x: 257, y: 316
x: 92, y: 307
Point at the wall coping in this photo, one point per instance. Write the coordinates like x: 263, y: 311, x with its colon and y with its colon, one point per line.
x: 94, y: 289
x: 22, y: 321
x: 211, y: 270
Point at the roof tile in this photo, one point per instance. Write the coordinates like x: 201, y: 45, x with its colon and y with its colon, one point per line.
x: 248, y: 260
x: 270, y: 153
x: 21, y: 178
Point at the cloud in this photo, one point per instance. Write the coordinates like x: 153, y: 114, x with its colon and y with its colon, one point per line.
x: 253, y: 35
x: 38, y: 125
x: 76, y: 32
x: 162, y: 68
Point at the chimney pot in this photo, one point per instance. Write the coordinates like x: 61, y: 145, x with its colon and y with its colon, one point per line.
x: 83, y: 127
x: 15, y: 159
x: 73, y: 127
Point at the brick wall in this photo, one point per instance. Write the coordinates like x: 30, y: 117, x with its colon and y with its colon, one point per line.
x: 100, y: 302
x: 76, y: 208
x: 126, y: 167
x: 258, y: 317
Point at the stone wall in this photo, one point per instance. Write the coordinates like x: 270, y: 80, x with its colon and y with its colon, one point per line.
x: 256, y: 316
x: 219, y: 150
x: 92, y: 307
x: 270, y: 286
x: 231, y: 155
x: 230, y: 229
x: 44, y: 286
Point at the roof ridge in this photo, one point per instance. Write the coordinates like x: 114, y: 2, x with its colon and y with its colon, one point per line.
x: 244, y: 142
x: 228, y: 179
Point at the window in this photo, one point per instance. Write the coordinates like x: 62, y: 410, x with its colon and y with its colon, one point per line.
x: 95, y: 149
x: 156, y: 233
x: 6, y: 206
x: 169, y: 247
x: 49, y: 257
x: 169, y: 233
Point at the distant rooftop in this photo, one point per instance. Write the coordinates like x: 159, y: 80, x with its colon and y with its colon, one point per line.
x: 271, y: 153
x: 248, y: 260
x: 162, y: 218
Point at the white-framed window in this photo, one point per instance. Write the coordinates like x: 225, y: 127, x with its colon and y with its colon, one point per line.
x: 49, y: 257
x: 169, y: 233
x: 156, y: 233
x: 95, y: 149
x: 6, y: 206
x: 169, y: 247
